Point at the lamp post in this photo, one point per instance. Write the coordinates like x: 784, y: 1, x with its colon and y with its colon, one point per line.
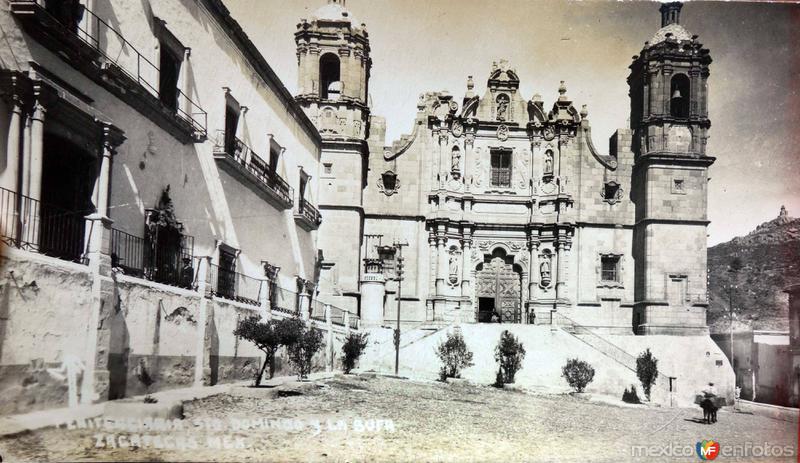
x: 730, y: 307
x: 399, y: 273
x: 733, y: 270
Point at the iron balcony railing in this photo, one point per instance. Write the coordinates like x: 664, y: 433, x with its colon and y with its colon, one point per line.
x: 284, y: 300
x: 28, y: 224
x: 237, y: 150
x: 337, y: 316
x: 317, y: 310
x: 235, y: 286
x: 154, y: 261
x: 309, y: 212
x: 120, y: 56
x: 353, y: 319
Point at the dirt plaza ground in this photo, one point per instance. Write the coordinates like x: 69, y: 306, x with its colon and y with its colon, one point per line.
x: 362, y: 418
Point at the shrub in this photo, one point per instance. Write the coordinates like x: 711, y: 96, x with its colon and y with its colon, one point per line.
x: 647, y: 371
x: 147, y: 380
x: 509, y: 353
x: 307, y: 342
x: 454, y: 355
x: 631, y: 396
x: 578, y: 374
x: 353, y: 347
x: 266, y: 336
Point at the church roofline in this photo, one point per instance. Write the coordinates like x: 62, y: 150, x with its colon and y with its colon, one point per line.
x: 235, y: 32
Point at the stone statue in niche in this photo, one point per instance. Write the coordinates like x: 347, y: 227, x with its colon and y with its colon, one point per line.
x: 548, y: 162
x: 544, y: 269
x: 453, y: 266
x: 455, y: 161
x: 502, y: 107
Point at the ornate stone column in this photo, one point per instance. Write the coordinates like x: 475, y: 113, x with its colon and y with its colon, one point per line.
x: 466, y: 265
x: 434, y: 259
x: 563, y: 247
x: 441, y: 266
x: 533, y: 268
x: 469, y: 141
x: 444, y: 166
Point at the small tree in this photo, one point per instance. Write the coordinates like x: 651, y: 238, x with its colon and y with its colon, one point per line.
x: 353, y: 347
x: 266, y: 336
x: 307, y: 342
x: 290, y: 330
x: 631, y: 396
x: 578, y: 374
x: 509, y: 353
x: 147, y: 380
x: 454, y: 355
x: 647, y: 371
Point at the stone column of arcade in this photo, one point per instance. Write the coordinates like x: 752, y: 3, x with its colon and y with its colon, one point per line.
x: 95, y: 384
x: 373, y: 292
x: 32, y: 170
x: 9, y: 177
x: 304, y: 299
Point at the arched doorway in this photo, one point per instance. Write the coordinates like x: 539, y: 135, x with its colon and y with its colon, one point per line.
x: 498, y: 289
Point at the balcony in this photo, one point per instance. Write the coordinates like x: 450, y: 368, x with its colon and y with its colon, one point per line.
x: 103, y: 54
x: 238, y: 160
x: 169, y: 262
x: 229, y: 284
x: 28, y: 224
x: 307, y: 216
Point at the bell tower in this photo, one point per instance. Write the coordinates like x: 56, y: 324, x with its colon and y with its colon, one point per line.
x: 669, y: 121
x: 333, y: 87
x: 333, y: 71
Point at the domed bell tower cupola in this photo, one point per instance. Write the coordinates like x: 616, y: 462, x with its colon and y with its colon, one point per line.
x: 333, y: 71
x: 668, y: 90
x: 669, y: 121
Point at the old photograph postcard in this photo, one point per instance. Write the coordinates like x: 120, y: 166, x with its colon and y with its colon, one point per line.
x: 399, y: 230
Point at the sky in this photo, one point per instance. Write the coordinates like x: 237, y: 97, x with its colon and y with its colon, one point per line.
x: 431, y: 45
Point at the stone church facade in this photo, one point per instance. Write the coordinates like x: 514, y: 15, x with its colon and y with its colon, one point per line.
x: 508, y: 210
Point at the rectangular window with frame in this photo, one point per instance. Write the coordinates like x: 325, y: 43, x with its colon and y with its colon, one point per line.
x: 226, y: 276
x: 171, y: 52
x: 232, y: 111
x: 609, y: 268
x: 302, y: 190
x: 274, y: 156
x: 501, y: 168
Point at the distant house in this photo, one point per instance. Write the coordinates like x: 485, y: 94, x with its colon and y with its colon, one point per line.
x: 794, y: 342
x: 761, y: 362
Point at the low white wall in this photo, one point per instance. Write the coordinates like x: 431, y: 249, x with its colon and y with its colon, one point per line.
x: 548, y: 351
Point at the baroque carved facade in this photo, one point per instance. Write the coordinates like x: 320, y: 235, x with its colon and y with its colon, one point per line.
x: 509, y: 210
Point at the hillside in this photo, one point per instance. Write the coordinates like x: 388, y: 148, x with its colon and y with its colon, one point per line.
x: 769, y: 257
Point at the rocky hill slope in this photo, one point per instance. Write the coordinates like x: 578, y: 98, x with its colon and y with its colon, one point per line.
x: 768, y: 260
